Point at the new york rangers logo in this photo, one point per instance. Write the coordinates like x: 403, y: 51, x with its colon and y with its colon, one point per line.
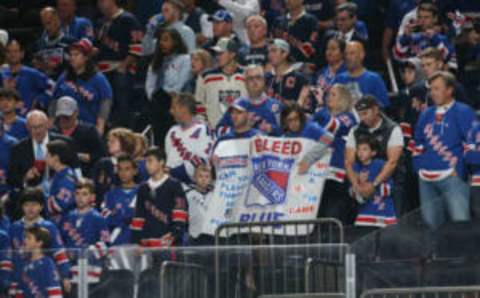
x: 270, y: 179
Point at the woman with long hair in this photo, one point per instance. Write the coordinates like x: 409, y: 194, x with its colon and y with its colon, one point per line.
x: 168, y: 73
x: 337, y: 117
x: 88, y: 86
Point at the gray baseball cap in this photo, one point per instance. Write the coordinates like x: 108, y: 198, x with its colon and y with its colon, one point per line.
x: 66, y: 106
x: 280, y: 44
x: 226, y: 44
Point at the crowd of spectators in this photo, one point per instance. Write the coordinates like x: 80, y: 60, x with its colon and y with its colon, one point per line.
x: 76, y: 171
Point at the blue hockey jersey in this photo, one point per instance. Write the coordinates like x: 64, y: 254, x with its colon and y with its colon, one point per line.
x: 6, y: 144
x: 472, y: 153
x: 34, y: 87
x: 39, y: 278
x: 118, y: 209
x: 339, y: 125
x: 440, y: 136
x: 368, y: 83
x: 6, y: 265
x: 379, y: 210
x: 61, y: 198
x: 18, y: 128
x: 88, y: 94
x: 79, y: 28
x: 53, y: 52
x: 265, y: 110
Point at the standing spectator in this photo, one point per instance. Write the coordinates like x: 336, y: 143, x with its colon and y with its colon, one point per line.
x: 119, y: 205
x: 284, y: 81
x: 358, y: 79
x: 171, y: 18
x: 241, y: 11
x: 118, y: 37
x: 26, y: 166
x: 389, y: 137
x: 299, y: 29
x: 337, y: 118
x: 34, y: 86
x: 323, y: 80
x: 323, y: 10
x: 161, y: 213
x: 201, y: 61
x: 6, y: 265
x: 264, y: 111
x: 6, y: 144
x: 188, y: 143
x: 219, y: 87
x: 346, y: 27
x: 472, y: 158
x: 257, y: 50
x: 85, y: 138
x: 377, y: 210
x: 222, y: 27
x: 89, y: 87
x: 438, y: 157
x: 171, y: 67
x: 73, y: 26
x: 51, y: 49
x: 169, y: 73
x: 197, y: 19
x: 14, y: 125
x: 410, y: 43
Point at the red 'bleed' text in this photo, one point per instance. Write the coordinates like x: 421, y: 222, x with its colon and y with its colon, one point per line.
x: 285, y: 147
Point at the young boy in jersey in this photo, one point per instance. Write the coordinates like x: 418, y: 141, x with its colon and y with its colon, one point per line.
x: 39, y: 277
x: 198, y: 196
x: 161, y: 211
x: 32, y: 202
x: 85, y: 227
x: 378, y: 209
x: 13, y: 124
x: 61, y: 199
x: 119, y: 204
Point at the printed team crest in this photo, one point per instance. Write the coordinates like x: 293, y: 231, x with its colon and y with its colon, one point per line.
x: 270, y: 179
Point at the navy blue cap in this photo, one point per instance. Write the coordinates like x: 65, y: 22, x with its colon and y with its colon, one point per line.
x: 221, y: 15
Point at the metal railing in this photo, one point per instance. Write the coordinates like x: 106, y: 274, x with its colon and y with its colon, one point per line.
x: 426, y: 292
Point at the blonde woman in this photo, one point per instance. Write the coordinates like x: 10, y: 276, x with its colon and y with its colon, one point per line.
x: 201, y: 61
x: 338, y: 118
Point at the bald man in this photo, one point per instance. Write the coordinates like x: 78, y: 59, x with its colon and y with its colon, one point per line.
x: 359, y: 80
x: 26, y: 166
x: 50, y: 51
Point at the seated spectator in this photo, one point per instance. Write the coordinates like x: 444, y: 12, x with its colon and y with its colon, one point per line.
x: 33, y: 86
x: 359, y: 80
x: 119, y: 205
x: 72, y: 25
x: 377, y: 210
x: 85, y: 138
x: 256, y: 52
x: 52, y: 47
x: 188, y: 143
x: 199, y: 195
x: 264, y: 112
x: 14, y: 125
x: 388, y: 135
x: 284, y: 81
x: 347, y: 26
x: 337, y: 117
x: 438, y: 154
x: 219, y: 87
x: 61, y: 188
x: 298, y: 28
x: 170, y: 18
x: 87, y: 86
x: 201, y: 61
x: 118, y: 39
x: 295, y: 124
x: 421, y: 35
x: 119, y: 141
x: 323, y: 80
x: 7, y: 142
x: 241, y: 10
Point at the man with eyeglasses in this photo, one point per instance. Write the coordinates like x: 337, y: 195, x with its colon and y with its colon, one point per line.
x: 264, y: 112
x: 27, y: 166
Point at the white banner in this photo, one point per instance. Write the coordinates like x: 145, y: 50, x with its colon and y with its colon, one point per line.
x: 258, y: 181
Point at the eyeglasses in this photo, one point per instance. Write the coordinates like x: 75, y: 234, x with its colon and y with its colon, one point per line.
x: 251, y: 78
